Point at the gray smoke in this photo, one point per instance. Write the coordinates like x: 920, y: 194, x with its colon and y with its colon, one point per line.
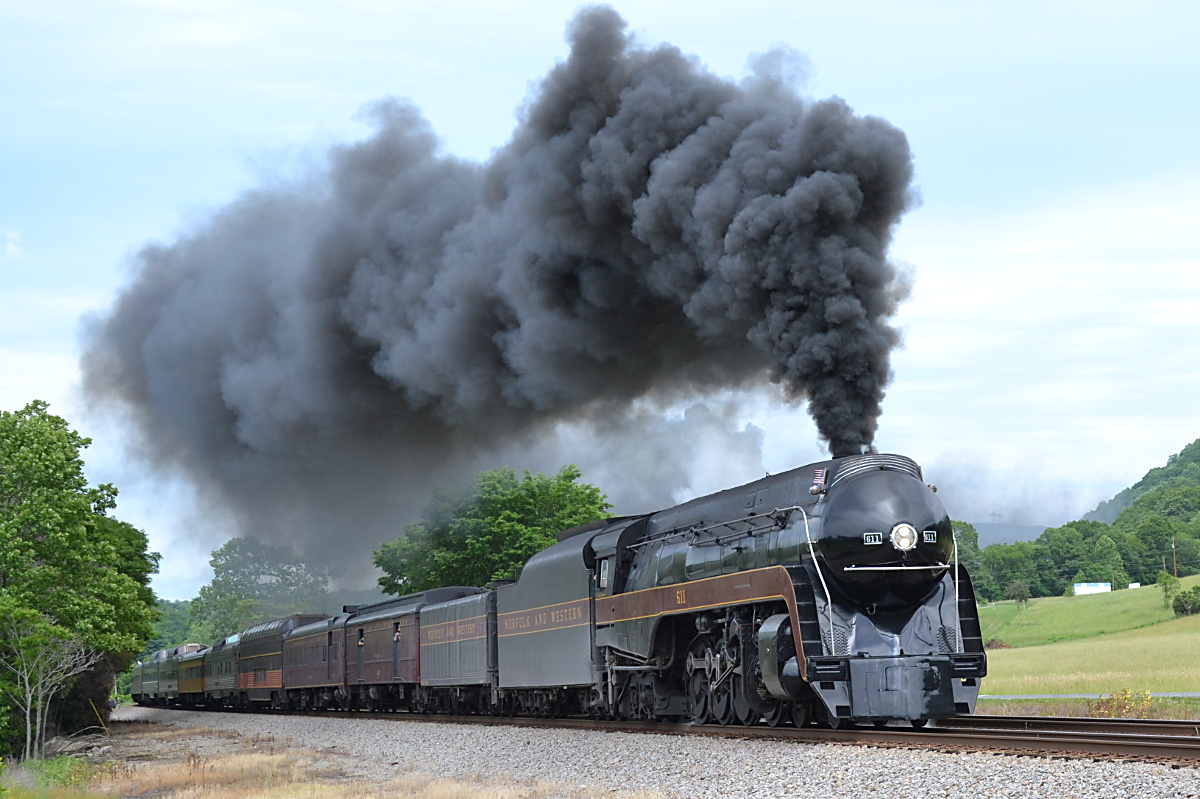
x: 318, y: 356
x: 648, y: 457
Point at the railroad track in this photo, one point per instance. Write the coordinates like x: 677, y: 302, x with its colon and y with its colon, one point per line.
x: 1124, y: 739
x: 1167, y: 727
x: 1140, y: 739
x: 1156, y: 740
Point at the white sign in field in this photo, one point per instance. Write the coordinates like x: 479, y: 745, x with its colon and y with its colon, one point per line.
x: 1092, y: 588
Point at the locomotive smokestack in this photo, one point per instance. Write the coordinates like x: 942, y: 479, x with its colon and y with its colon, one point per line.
x: 319, y: 356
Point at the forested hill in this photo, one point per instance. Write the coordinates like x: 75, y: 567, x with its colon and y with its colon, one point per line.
x: 1149, y: 528
x: 1182, y: 470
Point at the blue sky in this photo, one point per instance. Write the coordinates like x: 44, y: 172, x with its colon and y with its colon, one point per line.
x: 1052, y: 339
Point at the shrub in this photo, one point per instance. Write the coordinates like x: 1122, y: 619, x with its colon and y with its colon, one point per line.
x: 1187, y: 602
x: 65, y: 772
x: 1124, y: 704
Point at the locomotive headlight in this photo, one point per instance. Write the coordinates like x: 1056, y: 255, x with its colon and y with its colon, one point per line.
x: 904, y: 537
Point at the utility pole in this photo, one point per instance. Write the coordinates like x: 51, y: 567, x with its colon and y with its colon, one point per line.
x: 1174, y: 561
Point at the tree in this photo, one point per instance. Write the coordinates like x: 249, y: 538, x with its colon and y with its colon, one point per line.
x: 39, y: 658
x: 1187, y: 603
x: 62, y: 557
x: 59, y: 553
x: 1018, y: 591
x: 1155, y: 534
x: 1104, y: 565
x: 1187, y: 555
x: 1061, y: 552
x: 254, y: 582
x: 1170, y: 587
x: 172, y: 628
x: 1010, y: 563
x: 487, y: 532
x: 1182, y: 469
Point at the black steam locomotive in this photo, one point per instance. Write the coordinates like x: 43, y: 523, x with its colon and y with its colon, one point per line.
x: 831, y: 591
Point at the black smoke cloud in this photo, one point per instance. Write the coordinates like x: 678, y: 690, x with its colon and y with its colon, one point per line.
x: 317, y: 356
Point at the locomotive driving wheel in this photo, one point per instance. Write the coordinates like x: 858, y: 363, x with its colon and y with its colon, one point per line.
x: 801, y: 713
x: 749, y: 692
x: 743, y: 710
x: 698, y: 694
x: 777, y: 715
x: 721, y: 702
x: 697, y: 682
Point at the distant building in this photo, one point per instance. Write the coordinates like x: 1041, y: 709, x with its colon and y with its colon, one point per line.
x: 1092, y: 588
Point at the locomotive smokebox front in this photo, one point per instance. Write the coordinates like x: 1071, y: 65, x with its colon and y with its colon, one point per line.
x: 886, y: 539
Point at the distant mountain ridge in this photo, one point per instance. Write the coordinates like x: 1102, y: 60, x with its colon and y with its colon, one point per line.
x: 1182, y: 470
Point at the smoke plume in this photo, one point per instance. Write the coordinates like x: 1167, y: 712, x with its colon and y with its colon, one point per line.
x: 318, y: 356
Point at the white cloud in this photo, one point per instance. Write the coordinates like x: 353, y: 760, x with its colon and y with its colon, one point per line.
x: 12, y: 244
x: 1054, y: 348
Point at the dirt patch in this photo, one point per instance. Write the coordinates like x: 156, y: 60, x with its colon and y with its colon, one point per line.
x: 167, y: 754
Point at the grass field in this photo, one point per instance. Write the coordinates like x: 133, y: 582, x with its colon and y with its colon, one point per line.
x: 1095, y: 644
x: 1052, y: 619
x: 1158, y: 658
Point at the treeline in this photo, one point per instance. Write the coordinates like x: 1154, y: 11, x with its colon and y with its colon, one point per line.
x: 75, y: 602
x: 1155, y: 528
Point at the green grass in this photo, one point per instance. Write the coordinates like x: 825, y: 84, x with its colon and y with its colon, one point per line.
x: 1159, y: 707
x: 1160, y: 658
x: 1053, y: 619
x: 68, y: 772
x: 18, y: 792
x: 1094, y: 644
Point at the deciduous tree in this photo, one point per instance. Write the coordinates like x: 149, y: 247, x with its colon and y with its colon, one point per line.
x: 254, y: 582
x: 1103, y: 564
x: 38, y: 658
x: 1018, y: 591
x: 63, y: 559
x: 487, y: 532
x: 1169, y: 585
x: 60, y: 554
x: 1011, y: 563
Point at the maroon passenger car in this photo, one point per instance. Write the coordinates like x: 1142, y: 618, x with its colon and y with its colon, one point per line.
x: 313, y: 663
x: 383, y: 657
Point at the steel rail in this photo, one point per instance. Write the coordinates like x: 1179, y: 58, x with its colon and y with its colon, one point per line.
x: 1128, y: 739
x: 1172, y: 727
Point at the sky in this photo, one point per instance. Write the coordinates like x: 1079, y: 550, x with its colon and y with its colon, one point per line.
x: 1051, y: 338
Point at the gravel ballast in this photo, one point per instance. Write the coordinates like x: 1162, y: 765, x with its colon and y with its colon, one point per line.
x: 674, y: 765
